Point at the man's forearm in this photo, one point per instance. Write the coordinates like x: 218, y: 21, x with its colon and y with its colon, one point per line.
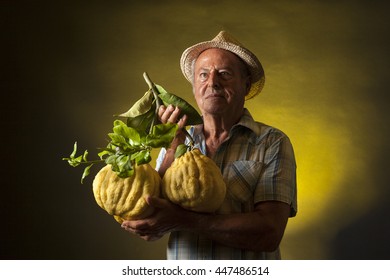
x: 250, y: 231
x: 167, y: 161
x: 170, y: 152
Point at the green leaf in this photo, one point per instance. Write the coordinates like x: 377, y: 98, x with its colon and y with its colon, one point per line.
x: 122, y: 166
x: 73, y: 154
x: 193, y: 117
x: 86, y: 172
x: 140, y: 107
x: 73, y: 162
x: 133, y: 136
x: 125, y: 173
x: 85, y: 155
x: 121, y: 128
x: 111, y: 159
x: 141, y: 157
x: 119, y: 125
x: 111, y: 148
x: 160, y: 89
x: 181, y: 150
x: 161, y: 135
x: 117, y: 139
x: 142, y: 122
x: 123, y: 163
x: 78, y: 159
x: 103, y: 153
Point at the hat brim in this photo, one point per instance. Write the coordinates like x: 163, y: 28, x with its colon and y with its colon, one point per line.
x: 253, y: 64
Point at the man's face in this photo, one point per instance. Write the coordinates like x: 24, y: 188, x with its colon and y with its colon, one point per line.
x: 220, y: 82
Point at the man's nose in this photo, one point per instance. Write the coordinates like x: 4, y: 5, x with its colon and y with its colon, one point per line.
x: 214, y: 80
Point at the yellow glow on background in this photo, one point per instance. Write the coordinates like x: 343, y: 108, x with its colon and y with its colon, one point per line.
x: 69, y: 67
x: 328, y: 162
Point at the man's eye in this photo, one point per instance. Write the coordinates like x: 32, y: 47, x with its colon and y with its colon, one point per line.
x: 224, y: 74
x: 203, y: 75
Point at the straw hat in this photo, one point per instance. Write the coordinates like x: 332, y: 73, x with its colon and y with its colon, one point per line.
x: 225, y: 41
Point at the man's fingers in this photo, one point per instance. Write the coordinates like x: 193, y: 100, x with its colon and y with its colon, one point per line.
x: 169, y: 114
x: 155, y: 201
x: 144, y: 234
x: 182, y: 122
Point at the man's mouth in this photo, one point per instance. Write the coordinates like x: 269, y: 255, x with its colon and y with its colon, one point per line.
x: 215, y: 95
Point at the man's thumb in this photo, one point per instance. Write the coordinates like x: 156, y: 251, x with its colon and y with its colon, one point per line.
x: 155, y: 201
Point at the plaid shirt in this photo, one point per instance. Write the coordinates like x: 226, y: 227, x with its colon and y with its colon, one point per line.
x: 258, y: 164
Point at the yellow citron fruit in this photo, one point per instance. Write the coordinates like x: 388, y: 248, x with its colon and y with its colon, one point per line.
x: 194, y: 182
x: 124, y: 198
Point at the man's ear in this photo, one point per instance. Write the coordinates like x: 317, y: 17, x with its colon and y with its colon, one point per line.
x: 248, y: 84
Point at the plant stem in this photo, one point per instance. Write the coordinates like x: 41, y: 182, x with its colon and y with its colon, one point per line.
x: 91, y: 161
x: 155, y: 92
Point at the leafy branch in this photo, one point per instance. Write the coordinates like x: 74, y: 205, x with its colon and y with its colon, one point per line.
x: 131, y: 142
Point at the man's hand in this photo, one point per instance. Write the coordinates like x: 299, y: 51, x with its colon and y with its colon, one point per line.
x: 164, y: 220
x: 171, y: 114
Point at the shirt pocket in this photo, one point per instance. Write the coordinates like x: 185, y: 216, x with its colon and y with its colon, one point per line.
x: 241, y: 179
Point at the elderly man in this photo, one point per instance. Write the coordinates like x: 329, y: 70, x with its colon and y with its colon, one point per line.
x: 257, y: 162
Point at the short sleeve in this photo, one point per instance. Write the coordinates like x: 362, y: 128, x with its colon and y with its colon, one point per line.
x: 278, y: 177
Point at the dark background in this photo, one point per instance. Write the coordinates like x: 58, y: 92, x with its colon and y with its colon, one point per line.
x: 68, y: 66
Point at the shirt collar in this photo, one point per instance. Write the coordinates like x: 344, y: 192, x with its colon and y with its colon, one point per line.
x: 248, y: 122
